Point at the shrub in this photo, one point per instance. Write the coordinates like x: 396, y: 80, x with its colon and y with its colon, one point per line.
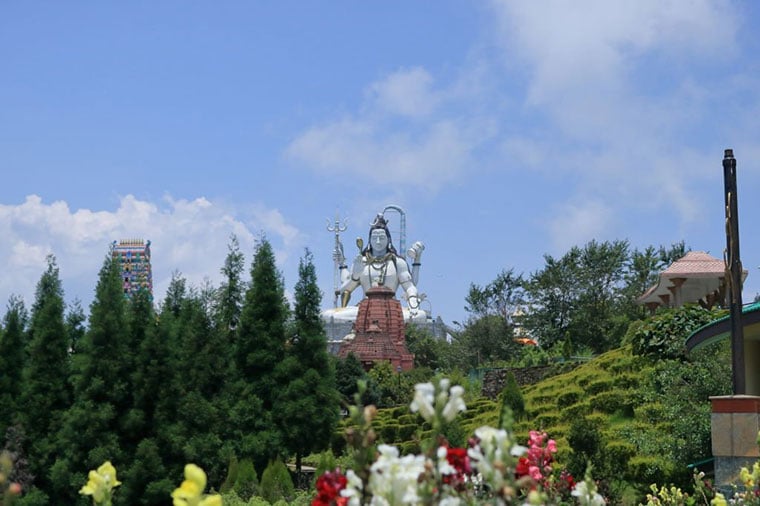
x: 389, y: 432
x: 545, y: 420
x: 585, y: 439
x: 256, y: 501
x: 338, y: 443
x: 664, y: 335
x: 511, y: 398
x: 598, y: 386
x: 617, y: 454
x: 569, y: 396
x: 409, y: 447
x: 405, y: 432
x: 612, y: 401
x: 326, y: 462
x: 625, y: 380
x: 646, y: 469
x: 229, y: 481
x: 276, y: 482
x: 576, y: 411
x: 407, y: 419
x: 35, y: 497
x: 652, y: 412
x: 246, y: 480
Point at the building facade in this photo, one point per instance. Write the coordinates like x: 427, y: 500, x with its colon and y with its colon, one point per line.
x: 133, y: 258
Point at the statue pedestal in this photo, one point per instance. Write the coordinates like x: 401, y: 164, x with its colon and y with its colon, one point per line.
x: 735, y: 422
x: 379, y: 332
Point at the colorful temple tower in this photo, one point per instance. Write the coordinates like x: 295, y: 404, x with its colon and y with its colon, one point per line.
x: 133, y: 257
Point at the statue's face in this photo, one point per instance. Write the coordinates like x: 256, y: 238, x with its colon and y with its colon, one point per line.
x: 379, y: 240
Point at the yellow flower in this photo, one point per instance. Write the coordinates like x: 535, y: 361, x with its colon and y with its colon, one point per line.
x: 108, y: 472
x: 749, y: 478
x: 212, y: 500
x: 100, y: 483
x: 196, y: 475
x: 190, y: 491
x: 719, y: 500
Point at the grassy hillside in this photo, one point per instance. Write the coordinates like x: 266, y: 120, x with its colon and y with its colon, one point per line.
x: 638, y: 420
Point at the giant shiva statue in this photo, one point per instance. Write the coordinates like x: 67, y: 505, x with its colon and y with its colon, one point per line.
x: 379, y: 265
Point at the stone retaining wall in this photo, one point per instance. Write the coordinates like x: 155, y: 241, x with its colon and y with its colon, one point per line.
x: 494, y: 379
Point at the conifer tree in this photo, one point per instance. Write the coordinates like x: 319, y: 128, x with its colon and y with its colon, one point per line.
x: 231, y: 291
x: 259, y: 349
x: 75, y: 328
x: 12, y: 341
x: 93, y: 429
x: 146, y: 356
x: 308, y: 402
x: 159, y: 393
x: 261, y: 343
x: 46, y: 393
x: 201, y: 358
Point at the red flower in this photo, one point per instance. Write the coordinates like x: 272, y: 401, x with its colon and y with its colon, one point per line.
x: 459, y: 460
x: 329, y: 486
x: 523, y: 467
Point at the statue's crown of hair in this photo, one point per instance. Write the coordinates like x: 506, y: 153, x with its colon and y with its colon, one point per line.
x: 379, y: 222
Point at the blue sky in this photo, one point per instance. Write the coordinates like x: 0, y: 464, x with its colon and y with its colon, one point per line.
x: 505, y: 129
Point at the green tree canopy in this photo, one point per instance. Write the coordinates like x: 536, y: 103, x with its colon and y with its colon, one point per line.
x: 46, y: 392
x: 307, y: 405
x: 12, y: 358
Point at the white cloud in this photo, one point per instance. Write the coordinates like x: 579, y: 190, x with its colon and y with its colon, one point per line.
x: 428, y: 158
x: 405, y: 93
x: 577, y: 47
x: 578, y: 223
x: 190, y: 236
x: 622, y: 86
x: 406, y: 132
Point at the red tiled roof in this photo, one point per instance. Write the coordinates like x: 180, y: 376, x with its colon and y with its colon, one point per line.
x: 702, y: 275
x: 693, y: 264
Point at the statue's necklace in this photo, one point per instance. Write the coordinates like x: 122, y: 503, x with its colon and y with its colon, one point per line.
x: 380, y: 264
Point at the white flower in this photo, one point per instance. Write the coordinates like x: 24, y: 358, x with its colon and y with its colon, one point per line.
x: 423, y: 400
x: 455, y: 403
x: 353, y: 488
x: 443, y: 465
x: 586, y: 496
x: 394, y: 480
x: 450, y: 501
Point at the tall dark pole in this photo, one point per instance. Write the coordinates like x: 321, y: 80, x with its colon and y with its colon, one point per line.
x: 734, y: 272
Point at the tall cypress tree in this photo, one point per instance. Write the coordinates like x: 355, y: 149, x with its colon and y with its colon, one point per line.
x: 261, y: 344
x: 307, y: 405
x: 202, y: 414
x: 145, y: 477
x: 140, y: 319
x: 260, y: 347
x: 12, y: 341
x: 231, y: 291
x: 75, y: 328
x: 46, y: 393
x: 93, y: 430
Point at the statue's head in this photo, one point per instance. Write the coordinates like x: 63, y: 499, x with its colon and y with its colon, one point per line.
x: 380, y: 236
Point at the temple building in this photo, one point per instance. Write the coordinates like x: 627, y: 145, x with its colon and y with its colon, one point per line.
x: 697, y: 277
x: 379, y: 332
x: 133, y: 258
